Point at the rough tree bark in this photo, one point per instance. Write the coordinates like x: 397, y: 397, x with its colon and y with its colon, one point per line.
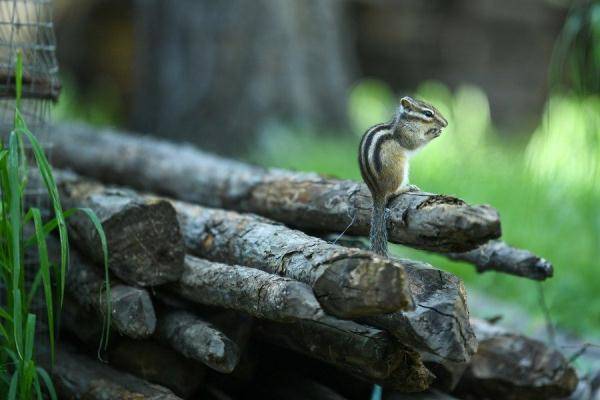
x: 145, y: 245
x: 439, y: 326
x: 132, y: 312
x: 198, y: 340
x: 367, y: 352
x: 158, y: 364
x: 232, y: 67
x: 514, y: 367
x: 303, y: 200
x: 347, y: 282
x: 248, y: 290
x: 79, y: 377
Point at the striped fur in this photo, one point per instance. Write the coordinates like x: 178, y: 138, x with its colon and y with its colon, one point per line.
x: 383, y: 157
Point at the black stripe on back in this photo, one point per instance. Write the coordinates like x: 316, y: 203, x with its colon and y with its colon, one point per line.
x: 380, y: 142
x: 369, y: 138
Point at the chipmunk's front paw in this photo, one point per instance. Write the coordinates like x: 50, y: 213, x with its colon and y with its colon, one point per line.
x: 413, y: 188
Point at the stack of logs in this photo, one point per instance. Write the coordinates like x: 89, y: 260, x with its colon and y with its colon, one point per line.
x: 217, y: 292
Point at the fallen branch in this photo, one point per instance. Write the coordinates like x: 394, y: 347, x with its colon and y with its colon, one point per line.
x: 158, y: 364
x: 347, y: 282
x: 498, y: 256
x: 144, y: 241
x: 132, y: 312
x: 198, y: 340
x: 79, y: 377
x: 512, y: 366
x: 247, y: 290
x: 306, y: 201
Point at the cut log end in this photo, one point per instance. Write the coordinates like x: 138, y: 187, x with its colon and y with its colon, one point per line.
x: 355, y: 287
x: 158, y: 250
x: 132, y: 311
x: 198, y: 340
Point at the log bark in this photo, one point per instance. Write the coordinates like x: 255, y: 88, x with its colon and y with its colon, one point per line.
x: 366, y: 352
x: 132, y: 312
x: 498, y: 256
x: 439, y: 324
x: 198, y: 340
x: 512, y: 366
x: 79, y: 377
x: 248, y: 290
x: 305, y: 201
x: 292, y: 386
x: 144, y: 241
x: 347, y: 282
x: 158, y: 364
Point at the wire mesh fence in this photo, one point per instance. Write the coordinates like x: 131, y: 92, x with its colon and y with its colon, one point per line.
x: 27, y: 26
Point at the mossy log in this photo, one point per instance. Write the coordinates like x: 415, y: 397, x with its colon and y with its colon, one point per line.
x: 145, y: 244
x: 512, y: 366
x: 248, y: 290
x: 79, y: 377
x: 306, y: 201
x: 197, y: 339
x: 347, y: 282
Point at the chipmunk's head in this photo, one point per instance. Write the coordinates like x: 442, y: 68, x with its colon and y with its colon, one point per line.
x: 417, y: 123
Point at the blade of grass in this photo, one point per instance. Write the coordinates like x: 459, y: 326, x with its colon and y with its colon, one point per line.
x: 100, y: 231
x: 47, y: 382
x: 45, y: 273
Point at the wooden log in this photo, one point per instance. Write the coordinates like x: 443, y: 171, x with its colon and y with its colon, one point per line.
x: 79, y: 377
x: 432, y: 394
x: 248, y: 290
x: 498, y: 256
x: 292, y: 386
x: 512, y: 366
x: 366, y: 352
x: 158, y: 364
x: 198, y: 340
x: 494, y: 255
x: 439, y: 324
x: 132, y: 312
x: 306, y: 201
x: 144, y: 241
x: 347, y: 282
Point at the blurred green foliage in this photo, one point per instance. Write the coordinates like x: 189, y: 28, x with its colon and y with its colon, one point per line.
x: 545, y: 186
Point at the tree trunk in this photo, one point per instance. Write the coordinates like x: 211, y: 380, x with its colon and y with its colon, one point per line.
x: 217, y: 73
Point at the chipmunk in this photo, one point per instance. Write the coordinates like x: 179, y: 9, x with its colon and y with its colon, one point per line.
x: 383, y: 156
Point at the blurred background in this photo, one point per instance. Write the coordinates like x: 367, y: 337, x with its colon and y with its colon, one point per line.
x: 294, y: 84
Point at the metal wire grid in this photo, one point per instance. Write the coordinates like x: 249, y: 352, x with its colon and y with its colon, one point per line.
x: 26, y: 25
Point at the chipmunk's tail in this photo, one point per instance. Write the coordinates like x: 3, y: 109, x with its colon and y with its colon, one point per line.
x: 378, y: 233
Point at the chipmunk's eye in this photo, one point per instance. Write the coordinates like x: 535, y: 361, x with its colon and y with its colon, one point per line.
x: 428, y: 113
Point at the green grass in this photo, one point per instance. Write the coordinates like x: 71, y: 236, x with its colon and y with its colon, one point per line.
x: 20, y: 376
x: 545, y: 188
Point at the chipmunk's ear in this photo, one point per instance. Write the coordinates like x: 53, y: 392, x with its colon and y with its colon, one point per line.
x: 407, y: 102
